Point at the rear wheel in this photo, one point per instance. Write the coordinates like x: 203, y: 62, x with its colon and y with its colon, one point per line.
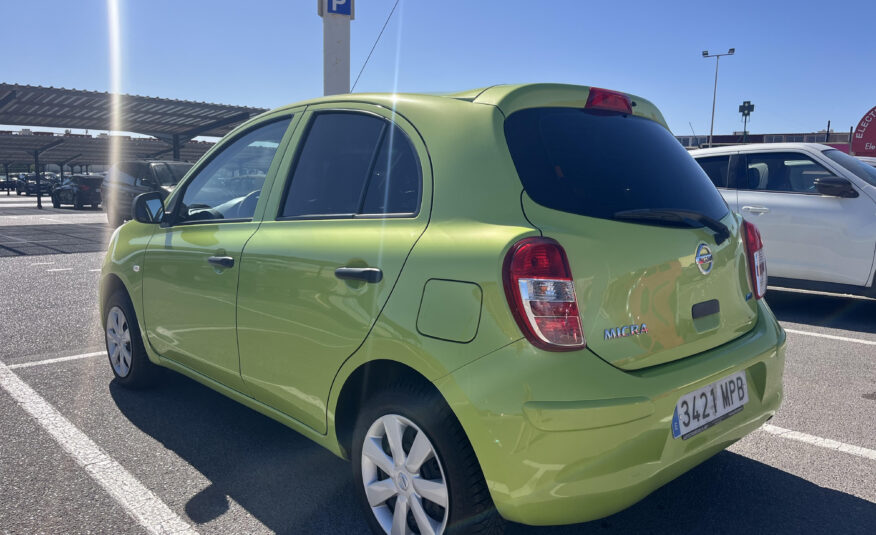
x: 77, y: 202
x: 56, y: 202
x: 415, y: 470
x: 124, y: 345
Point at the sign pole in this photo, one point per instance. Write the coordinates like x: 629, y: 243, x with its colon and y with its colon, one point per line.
x: 336, y: 16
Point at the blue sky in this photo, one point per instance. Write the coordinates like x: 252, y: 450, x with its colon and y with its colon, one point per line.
x: 801, y: 63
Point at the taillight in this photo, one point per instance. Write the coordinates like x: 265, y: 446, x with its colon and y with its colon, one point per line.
x: 541, y: 294
x: 603, y: 99
x: 84, y: 188
x: 756, y: 259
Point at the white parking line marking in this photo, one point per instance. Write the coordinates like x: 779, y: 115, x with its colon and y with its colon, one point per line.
x: 98, y: 269
x: 833, y: 337
x: 42, y: 263
x: 53, y: 361
x: 60, y: 269
x: 141, y: 503
x: 820, y: 442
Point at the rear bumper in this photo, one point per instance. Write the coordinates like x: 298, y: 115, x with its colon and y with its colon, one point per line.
x: 565, y: 437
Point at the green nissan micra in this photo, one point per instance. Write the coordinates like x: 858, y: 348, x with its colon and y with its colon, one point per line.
x: 522, y: 302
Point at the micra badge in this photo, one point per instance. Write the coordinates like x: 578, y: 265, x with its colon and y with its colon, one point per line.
x: 625, y: 331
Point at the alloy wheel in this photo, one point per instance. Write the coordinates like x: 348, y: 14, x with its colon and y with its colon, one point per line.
x: 118, y: 341
x: 403, y: 478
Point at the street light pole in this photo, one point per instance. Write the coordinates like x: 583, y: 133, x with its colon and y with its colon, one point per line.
x: 715, y: 90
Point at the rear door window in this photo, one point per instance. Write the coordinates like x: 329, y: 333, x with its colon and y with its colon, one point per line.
x: 597, y: 163
x: 353, y: 164
x: 717, y: 168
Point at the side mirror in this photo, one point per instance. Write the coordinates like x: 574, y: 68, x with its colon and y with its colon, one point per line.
x: 835, y: 187
x: 148, y: 208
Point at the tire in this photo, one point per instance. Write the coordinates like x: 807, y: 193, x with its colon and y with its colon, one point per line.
x: 124, y: 345
x: 94, y: 205
x: 77, y: 203
x: 451, y: 467
x: 18, y: 192
x: 56, y: 203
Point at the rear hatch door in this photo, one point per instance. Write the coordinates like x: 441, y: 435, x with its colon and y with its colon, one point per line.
x: 633, y: 212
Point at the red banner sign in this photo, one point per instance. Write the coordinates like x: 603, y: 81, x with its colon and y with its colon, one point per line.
x: 864, y: 136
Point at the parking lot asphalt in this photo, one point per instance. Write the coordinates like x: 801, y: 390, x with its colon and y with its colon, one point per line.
x: 218, y: 467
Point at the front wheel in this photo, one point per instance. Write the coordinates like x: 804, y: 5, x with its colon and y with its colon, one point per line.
x: 56, y: 202
x: 415, y: 470
x: 124, y: 345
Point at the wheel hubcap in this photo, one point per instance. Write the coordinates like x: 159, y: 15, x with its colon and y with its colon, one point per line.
x: 403, y: 478
x: 118, y: 341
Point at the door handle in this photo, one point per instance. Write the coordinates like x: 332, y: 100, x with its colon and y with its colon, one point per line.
x: 362, y: 274
x: 756, y: 209
x: 221, y: 261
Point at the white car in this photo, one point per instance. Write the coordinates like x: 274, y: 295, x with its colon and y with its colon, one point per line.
x: 814, y: 205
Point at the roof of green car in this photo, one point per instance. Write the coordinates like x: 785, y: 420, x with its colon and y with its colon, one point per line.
x: 508, y: 98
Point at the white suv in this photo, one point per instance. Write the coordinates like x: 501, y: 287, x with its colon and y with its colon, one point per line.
x: 814, y: 205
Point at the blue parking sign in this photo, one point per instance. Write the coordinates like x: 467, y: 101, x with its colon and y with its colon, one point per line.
x: 340, y: 7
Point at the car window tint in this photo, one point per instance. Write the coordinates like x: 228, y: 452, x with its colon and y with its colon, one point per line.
x: 861, y: 169
x: 716, y: 168
x: 394, y: 184
x: 782, y: 171
x: 178, y: 170
x: 228, y: 187
x: 596, y: 164
x: 123, y: 173
x: 162, y: 174
x: 333, y: 165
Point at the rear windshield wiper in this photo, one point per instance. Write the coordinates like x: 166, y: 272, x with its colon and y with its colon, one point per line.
x: 688, y: 217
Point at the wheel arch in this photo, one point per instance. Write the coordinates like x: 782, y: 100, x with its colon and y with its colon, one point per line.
x: 363, y: 383
x: 110, y: 284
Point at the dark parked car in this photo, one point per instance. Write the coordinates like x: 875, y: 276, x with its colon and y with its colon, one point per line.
x: 78, y: 190
x: 126, y: 180
x: 28, y: 185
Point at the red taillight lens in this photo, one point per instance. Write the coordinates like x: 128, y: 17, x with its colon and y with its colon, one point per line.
x: 84, y: 188
x: 541, y: 294
x: 603, y: 99
x: 756, y: 259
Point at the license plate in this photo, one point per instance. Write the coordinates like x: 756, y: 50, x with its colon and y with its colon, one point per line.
x: 701, y: 409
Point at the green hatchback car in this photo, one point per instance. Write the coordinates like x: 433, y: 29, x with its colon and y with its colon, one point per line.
x: 522, y: 302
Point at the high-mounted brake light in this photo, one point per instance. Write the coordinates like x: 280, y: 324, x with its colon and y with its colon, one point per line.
x: 756, y: 259
x: 603, y: 99
x: 541, y: 294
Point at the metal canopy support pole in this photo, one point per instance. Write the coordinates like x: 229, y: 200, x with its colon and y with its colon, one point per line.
x: 39, y: 191
x: 8, y: 189
x: 176, y: 147
x: 336, y: 16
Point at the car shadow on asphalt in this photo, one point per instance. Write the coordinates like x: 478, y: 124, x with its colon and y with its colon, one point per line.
x: 61, y: 238
x: 834, y: 311
x: 292, y: 485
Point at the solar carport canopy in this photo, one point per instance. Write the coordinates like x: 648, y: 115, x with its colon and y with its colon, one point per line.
x: 72, y: 149
x: 28, y: 105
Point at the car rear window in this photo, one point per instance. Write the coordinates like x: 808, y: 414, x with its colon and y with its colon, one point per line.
x: 596, y: 164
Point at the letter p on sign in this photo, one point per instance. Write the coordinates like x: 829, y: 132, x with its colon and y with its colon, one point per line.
x: 340, y: 7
